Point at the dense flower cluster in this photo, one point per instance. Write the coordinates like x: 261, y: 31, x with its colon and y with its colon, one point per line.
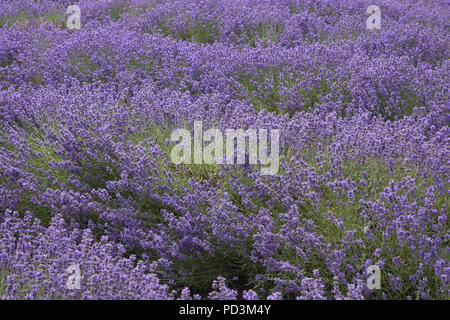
x: 86, y: 178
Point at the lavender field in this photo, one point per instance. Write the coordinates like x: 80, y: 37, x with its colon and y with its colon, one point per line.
x: 92, y: 205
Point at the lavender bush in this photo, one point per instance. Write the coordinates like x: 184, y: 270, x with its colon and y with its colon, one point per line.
x: 86, y: 177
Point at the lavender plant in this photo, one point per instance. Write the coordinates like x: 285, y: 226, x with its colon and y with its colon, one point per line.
x: 86, y: 177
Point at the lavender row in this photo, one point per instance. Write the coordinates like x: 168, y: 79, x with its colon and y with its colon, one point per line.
x: 86, y: 177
